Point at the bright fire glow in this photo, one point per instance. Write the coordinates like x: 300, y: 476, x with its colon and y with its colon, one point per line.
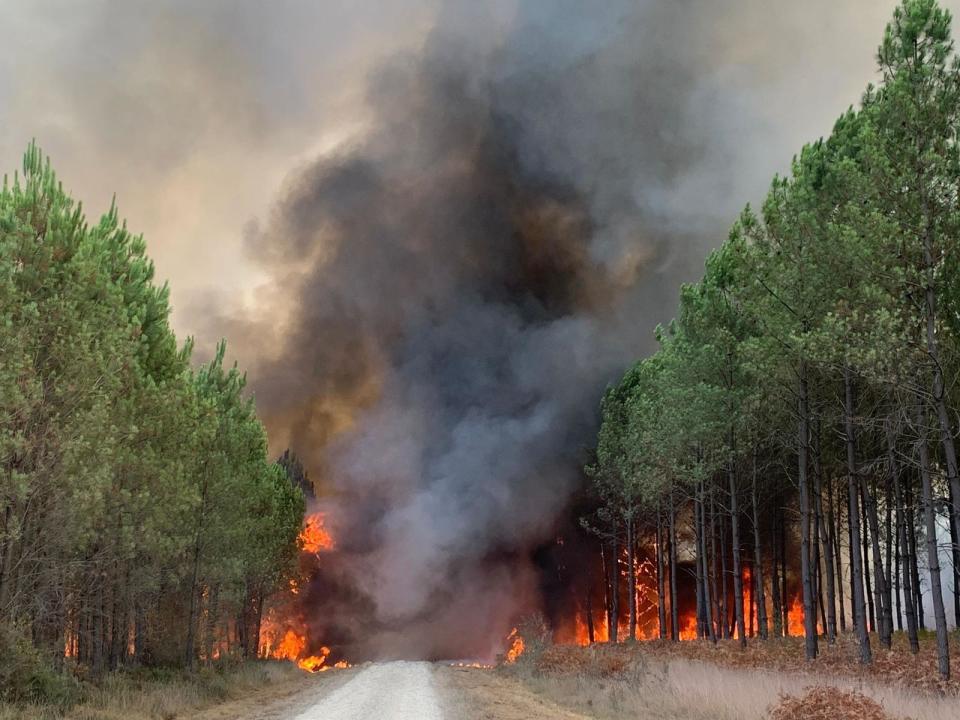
x: 285, y: 638
x: 314, y: 536
x: 647, y: 616
x: 516, y: 646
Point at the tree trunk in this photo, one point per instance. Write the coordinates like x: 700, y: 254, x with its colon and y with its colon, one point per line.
x: 614, y: 633
x: 888, y: 555
x: 838, y: 555
x: 865, y: 528
x: 607, y: 595
x: 830, y: 606
x: 853, y: 516
x: 703, y: 597
x: 914, y: 557
x: 933, y: 556
x: 735, y: 549
x: 590, y: 631
x: 719, y: 604
x: 724, y: 584
x: 806, y: 575
x: 938, y: 390
x: 775, y: 577
x: 955, y: 559
x: 902, y: 545
x: 674, y: 610
x: 661, y: 594
x: 758, y: 556
x: 631, y: 580
x: 884, y: 615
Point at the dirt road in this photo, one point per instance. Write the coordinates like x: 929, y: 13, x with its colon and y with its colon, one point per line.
x: 398, y: 691
x: 391, y: 691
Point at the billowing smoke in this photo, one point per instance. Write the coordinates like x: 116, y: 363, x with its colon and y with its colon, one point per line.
x: 466, y: 275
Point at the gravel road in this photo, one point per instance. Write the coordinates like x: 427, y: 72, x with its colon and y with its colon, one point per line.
x: 387, y: 691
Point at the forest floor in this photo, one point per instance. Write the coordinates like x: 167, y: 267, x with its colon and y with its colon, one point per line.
x: 693, y: 680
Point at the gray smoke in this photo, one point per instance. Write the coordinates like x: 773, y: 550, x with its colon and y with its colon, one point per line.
x: 534, y: 186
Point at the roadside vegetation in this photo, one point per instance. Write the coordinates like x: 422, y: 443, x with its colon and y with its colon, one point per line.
x: 141, y: 522
x: 771, y: 679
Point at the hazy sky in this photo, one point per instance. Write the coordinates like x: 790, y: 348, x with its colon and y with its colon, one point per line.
x: 193, y: 113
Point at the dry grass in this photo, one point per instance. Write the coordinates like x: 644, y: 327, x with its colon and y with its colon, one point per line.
x: 146, y: 697
x: 697, y: 681
x: 826, y: 703
x: 896, y: 667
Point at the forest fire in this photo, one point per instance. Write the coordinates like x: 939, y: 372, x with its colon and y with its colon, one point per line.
x: 583, y: 613
x: 284, y: 632
x: 688, y: 624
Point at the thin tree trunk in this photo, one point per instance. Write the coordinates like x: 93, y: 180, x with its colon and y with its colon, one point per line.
x: 631, y: 580
x: 758, y: 555
x: 914, y: 557
x: 614, y: 632
x: 938, y: 389
x: 607, y: 595
x: 661, y: 599
x: 865, y: 528
x: 853, y: 515
x: 897, y: 574
x: 955, y: 560
x: 838, y: 555
x: 707, y: 617
x: 775, y: 578
x: 674, y: 610
x: 902, y: 545
x: 884, y: 615
x: 933, y: 556
x: 830, y: 623
x: 888, y: 556
x: 591, y: 636
x: 724, y: 584
x: 719, y: 603
x: 806, y: 575
x: 735, y: 543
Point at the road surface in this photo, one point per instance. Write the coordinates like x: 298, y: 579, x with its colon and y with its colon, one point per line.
x: 389, y: 691
x: 395, y: 691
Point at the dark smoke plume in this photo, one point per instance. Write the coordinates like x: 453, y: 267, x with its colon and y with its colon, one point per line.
x: 466, y: 278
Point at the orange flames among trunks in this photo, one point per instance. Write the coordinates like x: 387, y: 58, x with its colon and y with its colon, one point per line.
x: 283, y: 636
x: 647, y: 612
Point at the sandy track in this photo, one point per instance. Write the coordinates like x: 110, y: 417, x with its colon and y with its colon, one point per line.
x: 387, y: 691
x: 395, y: 691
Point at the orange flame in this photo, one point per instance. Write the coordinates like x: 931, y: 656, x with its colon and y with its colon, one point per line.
x: 314, y: 537
x: 516, y: 646
x: 647, y: 624
x: 285, y: 638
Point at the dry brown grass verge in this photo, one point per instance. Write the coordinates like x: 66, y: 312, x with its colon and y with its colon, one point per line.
x: 694, y: 680
x: 897, y: 666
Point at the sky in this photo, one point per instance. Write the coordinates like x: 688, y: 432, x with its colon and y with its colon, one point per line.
x: 193, y: 114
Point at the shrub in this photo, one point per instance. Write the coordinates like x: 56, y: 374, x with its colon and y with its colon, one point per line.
x: 28, y: 676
